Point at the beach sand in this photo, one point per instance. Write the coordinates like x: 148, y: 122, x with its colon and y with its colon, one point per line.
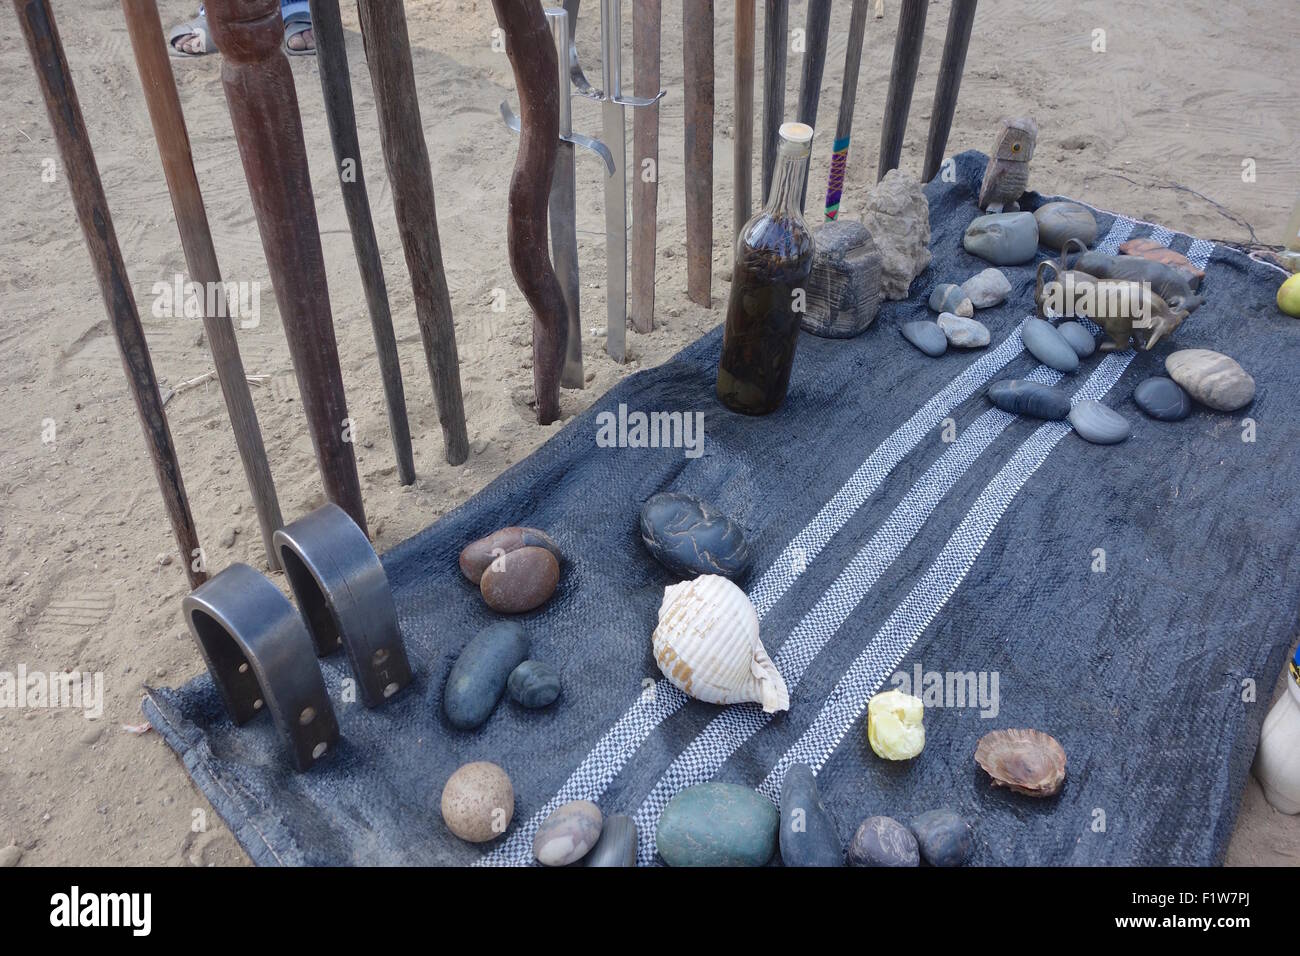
x: 1158, y: 126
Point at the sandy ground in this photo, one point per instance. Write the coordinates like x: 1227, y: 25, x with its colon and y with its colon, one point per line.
x: 1158, y: 125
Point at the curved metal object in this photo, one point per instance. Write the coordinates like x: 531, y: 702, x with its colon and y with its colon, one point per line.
x: 345, y: 599
x: 260, y: 657
x: 577, y: 139
x: 580, y: 82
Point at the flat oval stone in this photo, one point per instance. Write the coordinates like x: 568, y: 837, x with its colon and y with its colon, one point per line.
x: 962, y: 332
x: 477, y: 555
x: 883, y: 841
x: 534, y: 684
x: 947, y: 297
x: 1080, y: 339
x: 691, y: 537
x: 568, y: 834
x: 987, y: 289
x: 1061, y: 221
x: 808, y: 835
x: 926, y: 336
x: 1048, y: 345
x: 1099, y: 424
x: 1020, y: 397
x: 520, y: 581
x: 478, y: 678
x: 1003, y: 238
x: 1161, y: 398
x: 617, y: 844
x: 478, y: 802
x: 943, y: 837
x: 717, y: 824
x: 1211, y: 378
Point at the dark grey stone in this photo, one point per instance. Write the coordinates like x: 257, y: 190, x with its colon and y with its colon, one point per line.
x: 690, y: 537
x: 947, y: 297
x: 1161, y: 398
x: 1099, y: 424
x: 534, y: 684
x: 926, y: 336
x: 1029, y: 398
x: 808, y: 834
x: 1059, y: 221
x: 617, y: 844
x: 883, y: 841
x: 844, y: 289
x: 943, y: 837
x: 717, y: 824
x: 1048, y: 345
x: 478, y: 678
x: 1003, y: 238
x: 1080, y: 339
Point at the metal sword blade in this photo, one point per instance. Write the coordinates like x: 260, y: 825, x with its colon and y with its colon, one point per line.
x: 616, y: 230
x: 564, y: 256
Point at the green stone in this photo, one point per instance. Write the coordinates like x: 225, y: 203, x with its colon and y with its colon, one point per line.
x: 718, y: 824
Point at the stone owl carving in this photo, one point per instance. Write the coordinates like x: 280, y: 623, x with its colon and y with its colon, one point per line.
x: 1007, y: 173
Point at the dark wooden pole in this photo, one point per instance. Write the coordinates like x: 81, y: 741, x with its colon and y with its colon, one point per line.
x: 776, y: 27
x: 817, y: 30
x: 848, y: 100
x: 960, y: 21
x: 36, y: 21
x: 743, y: 147
x: 336, y: 86
x: 152, y: 63
x: 533, y: 58
x: 646, y: 16
x: 388, y: 54
x: 697, y: 84
x: 902, y: 79
x: 264, y: 111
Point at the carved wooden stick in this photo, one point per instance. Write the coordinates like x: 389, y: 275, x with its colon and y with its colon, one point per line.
x: 776, y: 27
x: 533, y: 58
x: 37, y: 24
x: 902, y: 79
x: 955, y: 44
x: 743, y: 148
x: 848, y: 99
x: 388, y: 54
x: 646, y: 16
x: 697, y: 83
x: 336, y: 86
x: 264, y: 111
x: 152, y: 62
x: 817, y: 30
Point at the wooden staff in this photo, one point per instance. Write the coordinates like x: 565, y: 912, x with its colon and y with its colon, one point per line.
x: 955, y: 44
x: 36, y: 21
x: 646, y: 16
x: 152, y: 63
x: 697, y: 83
x: 848, y: 99
x: 264, y: 112
x: 336, y: 86
x: 388, y: 54
x: 817, y: 30
x: 776, y: 27
x: 534, y: 61
x: 902, y: 79
x: 743, y: 149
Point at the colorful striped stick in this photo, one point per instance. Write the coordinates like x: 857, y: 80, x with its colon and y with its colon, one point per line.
x: 848, y: 97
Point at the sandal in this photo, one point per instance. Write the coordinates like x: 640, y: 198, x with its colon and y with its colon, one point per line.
x: 198, y: 27
x: 294, y: 25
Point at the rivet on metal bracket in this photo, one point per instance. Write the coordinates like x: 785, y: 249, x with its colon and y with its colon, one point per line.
x: 344, y: 595
x: 260, y: 657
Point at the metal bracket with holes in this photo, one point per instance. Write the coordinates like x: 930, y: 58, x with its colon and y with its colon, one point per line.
x: 345, y: 598
x: 258, y: 653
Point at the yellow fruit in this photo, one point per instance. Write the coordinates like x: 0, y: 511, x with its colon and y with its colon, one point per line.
x: 895, y: 725
x: 1288, y: 296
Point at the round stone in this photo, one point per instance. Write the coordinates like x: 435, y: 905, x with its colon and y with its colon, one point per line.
x: 617, y: 844
x: 1048, y: 345
x: 1003, y: 238
x: 478, y: 802
x: 717, y: 824
x: 478, y: 678
x: 987, y: 289
x: 943, y: 837
x: 534, y: 684
x: 1020, y: 397
x: 1059, y: 222
x: 520, y: 581
x: 1211, y: 378
x: 1162, y: 399
x: 962, y: 332
x: 1080, y: 339
x: 691, y: 537
x: 947, y: 297
x: 926, y: 336
x: 808, y: 834
x: 568, y: 834
x: 883, y: 841
x: 477, y: 555
x: 1099, y: 424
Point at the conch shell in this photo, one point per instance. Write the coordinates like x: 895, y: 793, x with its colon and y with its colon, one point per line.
x: 707, y: 645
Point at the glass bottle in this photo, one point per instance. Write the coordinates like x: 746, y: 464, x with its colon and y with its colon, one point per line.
x: 773, y: 261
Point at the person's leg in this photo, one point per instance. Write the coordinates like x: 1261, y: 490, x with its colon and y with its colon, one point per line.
x: 297, y: 26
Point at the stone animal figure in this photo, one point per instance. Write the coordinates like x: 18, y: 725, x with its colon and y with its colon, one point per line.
x: 1007, y: 174
x: 1119, y: 306
x: 1165, y: 281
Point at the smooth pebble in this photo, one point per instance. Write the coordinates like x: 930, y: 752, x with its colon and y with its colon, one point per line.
x: 520, y: 581
x: 690, y: 537
x: 478, y: 678
x: 617, y: 844
x: 717, y: 824
x: 1099, y: 424
x: 926, y: 336
x: 1049, y: 346
x: 477, y: 555
x: 534, y: 684
x: 943, y: 837
x: 808, y: 834
x: 478, y: 802
x: 568, y: 834
x: 987, y: 289
x: 883, y: 841
x: 1211, y: 378
x: 1003, y: 238
x: 962, y: 332
x: 1080, y: 339
x: 1061, y: 221
x: 947, y: 297
x: 1020, y: 397
x: 1162, y: 399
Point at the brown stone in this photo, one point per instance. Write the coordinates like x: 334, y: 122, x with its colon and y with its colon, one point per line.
x: 520, y: 580
x: 1150, y: 249
x: 478, y: 802
x: 477, y: 555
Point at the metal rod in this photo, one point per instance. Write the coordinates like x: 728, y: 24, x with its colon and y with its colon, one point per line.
x: 264, y: 112
x: 776, y: 27
x: 848, y: 99
x: 401, y: 133
x: 646, y: 15
x: 817, y: 30
x: 153, y: 64
x: 36, y: 21
x: 697, y: 84
x: 743, y: 148
x: 336, y: 87
x: 902, y: 80
x: 615, y: 137
x: 563, y: 206
x: 960, y: 21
